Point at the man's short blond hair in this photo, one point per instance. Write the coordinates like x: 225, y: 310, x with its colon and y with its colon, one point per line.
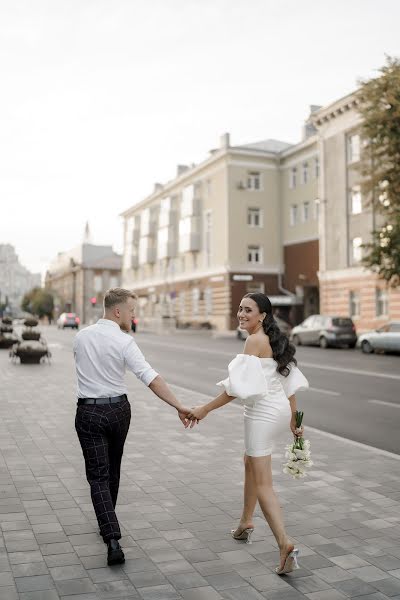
x: 115, y: 296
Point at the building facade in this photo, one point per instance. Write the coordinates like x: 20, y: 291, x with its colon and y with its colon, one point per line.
x: 80, y: 277
x: 15, y: 279
x: 346, y: 222
x: 237, y: 222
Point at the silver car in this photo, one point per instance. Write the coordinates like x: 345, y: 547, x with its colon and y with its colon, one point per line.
x: 385, y: 339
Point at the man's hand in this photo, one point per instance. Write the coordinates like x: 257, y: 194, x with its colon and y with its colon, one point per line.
x: 198, y: 413
x: 183, y: 414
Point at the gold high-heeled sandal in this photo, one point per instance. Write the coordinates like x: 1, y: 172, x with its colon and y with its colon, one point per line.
x: 290, y: 563
x: 244, y: 535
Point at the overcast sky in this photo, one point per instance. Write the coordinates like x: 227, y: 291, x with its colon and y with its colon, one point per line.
x: 101, y: 98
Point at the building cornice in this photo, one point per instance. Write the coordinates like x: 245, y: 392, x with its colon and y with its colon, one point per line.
x: 305, y: 144
x: 334, y: 110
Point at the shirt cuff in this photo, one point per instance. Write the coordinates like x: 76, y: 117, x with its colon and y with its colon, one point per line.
x: 148, y: 376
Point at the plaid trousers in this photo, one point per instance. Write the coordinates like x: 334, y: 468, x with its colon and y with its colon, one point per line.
x: 102, y: 431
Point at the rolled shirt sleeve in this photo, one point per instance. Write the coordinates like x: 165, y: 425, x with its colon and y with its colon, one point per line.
x: 136, y: 362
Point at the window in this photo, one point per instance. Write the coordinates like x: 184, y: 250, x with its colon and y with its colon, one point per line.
x: 355, y: 200
x: 254, y: 254
x: 306, y: 211
x: 354, y: 304
x: 207, y: 237
x: 381, y: 302
x: 113, y: 281
x: 356, y: 250
x: 293, y: 177
x: 254, y: 181
x: 293, y: 214
x: 316, y: 166
x: 305, y: 172
x: 353, y: 148
x: 195, y: 301
x: 182, y: 301
x: 208, y: 301
x: 254, y: 217
x: 316, y: 208
x: 98, y: 283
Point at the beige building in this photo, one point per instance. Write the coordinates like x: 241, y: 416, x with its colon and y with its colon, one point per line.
x: 245, y: 219
x: 346, y: 220
x: 82, y: 275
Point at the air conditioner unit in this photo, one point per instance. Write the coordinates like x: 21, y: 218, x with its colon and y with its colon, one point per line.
x: 241, y: 185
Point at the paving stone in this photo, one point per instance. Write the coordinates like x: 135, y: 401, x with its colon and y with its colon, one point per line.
x: 159, y: 592
x: 74, y: 586
x: 34, y: 583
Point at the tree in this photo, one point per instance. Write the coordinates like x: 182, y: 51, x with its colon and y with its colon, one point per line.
x: 38, y: 302
x: 379, y: 107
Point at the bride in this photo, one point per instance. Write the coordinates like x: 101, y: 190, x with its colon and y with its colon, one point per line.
x: 265, y: 378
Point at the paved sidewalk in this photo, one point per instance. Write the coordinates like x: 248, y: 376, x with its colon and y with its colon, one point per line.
x: 181, y: 494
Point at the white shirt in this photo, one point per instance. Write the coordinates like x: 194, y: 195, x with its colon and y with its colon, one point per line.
x: 102, y: 352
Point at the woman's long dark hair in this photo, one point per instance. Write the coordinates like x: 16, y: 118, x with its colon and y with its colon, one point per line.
x: 282, y: 350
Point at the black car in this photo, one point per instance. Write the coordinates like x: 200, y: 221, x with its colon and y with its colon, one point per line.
x: 325, y: 331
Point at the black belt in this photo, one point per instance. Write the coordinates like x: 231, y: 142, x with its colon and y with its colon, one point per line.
x: 110, y: 400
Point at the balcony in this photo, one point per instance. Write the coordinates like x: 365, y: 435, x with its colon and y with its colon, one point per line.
x: 191, y: 202
x: 147, y: 251
x: 189, y: 234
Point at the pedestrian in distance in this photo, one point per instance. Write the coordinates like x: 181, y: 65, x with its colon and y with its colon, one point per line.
x: 102, y: 353
x: 265, y: 378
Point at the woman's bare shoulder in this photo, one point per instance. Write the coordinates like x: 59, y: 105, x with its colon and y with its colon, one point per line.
x: 257, y: 344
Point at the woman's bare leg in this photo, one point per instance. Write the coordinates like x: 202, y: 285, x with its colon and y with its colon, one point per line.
x: 269, y: 503
x: 249, y: 496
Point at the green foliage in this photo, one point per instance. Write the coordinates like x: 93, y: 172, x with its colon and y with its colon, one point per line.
x: 38, y: 302
x: 379, y: 107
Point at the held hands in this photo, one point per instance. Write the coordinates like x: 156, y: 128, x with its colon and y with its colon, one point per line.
x: 297, y: 431
x: 184, y: 415
x: 198, y: 413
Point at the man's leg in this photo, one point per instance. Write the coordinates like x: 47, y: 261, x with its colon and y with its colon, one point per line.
x: 95, y: 444
x: 120, y: 422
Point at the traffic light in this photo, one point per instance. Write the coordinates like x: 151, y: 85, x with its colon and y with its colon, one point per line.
x: 93, y: 301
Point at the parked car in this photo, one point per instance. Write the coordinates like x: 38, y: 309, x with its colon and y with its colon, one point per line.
x: 386, y: 339
x: 325, y: 331
x: 134, y: 324
x: 68, y: 320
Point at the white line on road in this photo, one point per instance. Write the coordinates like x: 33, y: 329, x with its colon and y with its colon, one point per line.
x: 392, y: 404
x: 364, y: 373
x: 332, y: 436
x: 321, y: 391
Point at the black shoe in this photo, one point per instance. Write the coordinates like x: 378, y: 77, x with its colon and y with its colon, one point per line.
x: 115, y: 556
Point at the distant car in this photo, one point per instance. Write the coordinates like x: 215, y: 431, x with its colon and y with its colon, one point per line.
x: 134, y: 324
x: 325, y: 331
x: 386, y: 339
x: 68, y: 320
x: 283, y: 326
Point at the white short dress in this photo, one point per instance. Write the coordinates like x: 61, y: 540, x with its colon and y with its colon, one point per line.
x: 264, y: 392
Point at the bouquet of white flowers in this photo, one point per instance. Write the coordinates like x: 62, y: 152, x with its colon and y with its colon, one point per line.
x: 298, y: 453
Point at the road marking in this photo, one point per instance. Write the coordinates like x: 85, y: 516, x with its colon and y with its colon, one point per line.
x: 353, y: 371
x: 392, y: 404
x: 321, y: 391
x: 364, y: 373
x: 332, y: 436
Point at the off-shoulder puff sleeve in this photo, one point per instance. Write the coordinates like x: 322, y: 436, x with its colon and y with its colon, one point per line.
x: 246, y: 379
x: 294, y: 382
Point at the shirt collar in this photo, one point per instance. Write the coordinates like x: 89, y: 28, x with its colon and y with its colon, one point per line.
x: 108, y: 322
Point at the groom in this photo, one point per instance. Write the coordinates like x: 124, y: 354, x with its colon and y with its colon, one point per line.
x: 102, y: 352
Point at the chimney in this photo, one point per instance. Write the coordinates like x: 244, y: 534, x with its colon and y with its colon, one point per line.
x: 158, y: 187
x: 224, y: 141
x: 308, y: 127
x: 181, y: 169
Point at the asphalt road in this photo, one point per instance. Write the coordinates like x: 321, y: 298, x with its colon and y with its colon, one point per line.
x: 352, y: 395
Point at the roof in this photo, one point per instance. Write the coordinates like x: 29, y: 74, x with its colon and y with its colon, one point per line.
x: 270, y: 145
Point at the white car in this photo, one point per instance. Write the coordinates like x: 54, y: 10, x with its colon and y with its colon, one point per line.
x: 386, y: 338
x: 68, y: 320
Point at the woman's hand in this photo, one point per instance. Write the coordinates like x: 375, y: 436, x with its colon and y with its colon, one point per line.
x: 198, y: 413
x: 297, y: 431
